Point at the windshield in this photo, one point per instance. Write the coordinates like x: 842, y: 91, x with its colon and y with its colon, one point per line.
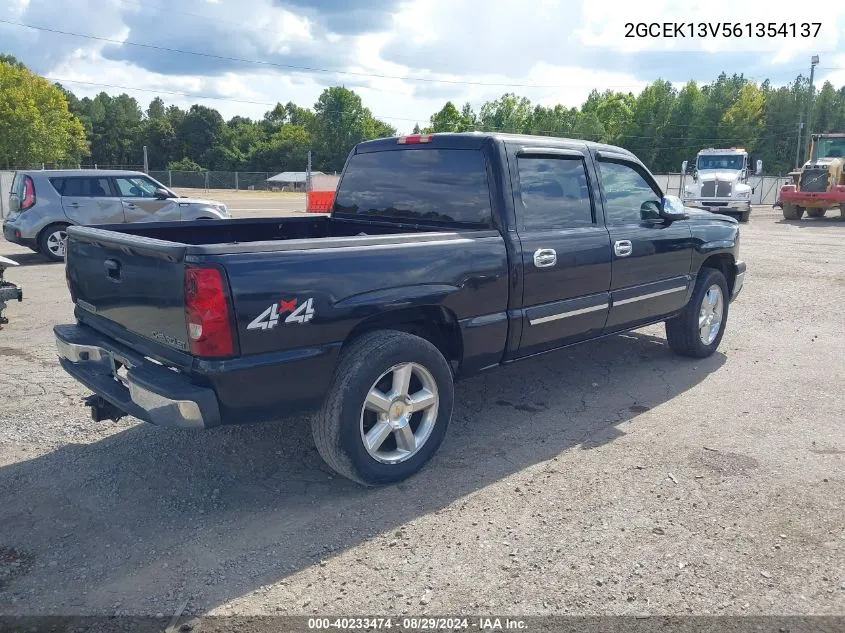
x: 722, y: 161
x: 831, y: 147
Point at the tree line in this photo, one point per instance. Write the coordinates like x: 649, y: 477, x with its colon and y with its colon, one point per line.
x: 41, y: 122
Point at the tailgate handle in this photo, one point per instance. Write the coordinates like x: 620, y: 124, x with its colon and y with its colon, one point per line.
x: 112, y: 267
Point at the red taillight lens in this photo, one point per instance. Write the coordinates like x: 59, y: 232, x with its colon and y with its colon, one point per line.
x: 28, y: 194
x: 207, y: 313
x: 415, y: 139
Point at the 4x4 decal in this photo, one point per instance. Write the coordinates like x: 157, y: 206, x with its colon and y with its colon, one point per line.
x: 269, y: 319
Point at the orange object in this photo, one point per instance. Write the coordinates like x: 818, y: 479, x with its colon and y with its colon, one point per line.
x: 320, y: 201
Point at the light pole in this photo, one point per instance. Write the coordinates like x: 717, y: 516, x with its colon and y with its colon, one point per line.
x: 813, y: 62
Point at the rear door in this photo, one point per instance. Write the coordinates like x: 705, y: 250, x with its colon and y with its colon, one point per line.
x: 140, y: 203
x: 88, y: 199
x: 565, y: 248
x: 651, y: 257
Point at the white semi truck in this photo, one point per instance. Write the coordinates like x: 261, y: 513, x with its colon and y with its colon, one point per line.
x: 720, y: 182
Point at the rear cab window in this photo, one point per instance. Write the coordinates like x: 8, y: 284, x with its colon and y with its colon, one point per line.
x: 420, y: 186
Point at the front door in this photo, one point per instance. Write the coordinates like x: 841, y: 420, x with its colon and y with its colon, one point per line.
x: 89, y: 200
x: 140, y: 203
x: 565, y: 249
x: 652, y: 258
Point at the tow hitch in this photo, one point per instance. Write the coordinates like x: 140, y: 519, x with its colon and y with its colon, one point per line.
x: 102, y: 409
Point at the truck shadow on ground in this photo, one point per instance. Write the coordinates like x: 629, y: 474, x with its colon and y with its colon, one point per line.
x: 831, y: 221
x: 149, y: 517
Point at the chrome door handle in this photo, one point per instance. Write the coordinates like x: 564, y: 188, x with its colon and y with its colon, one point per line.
x: 623, y: 248
x: 545, y: 257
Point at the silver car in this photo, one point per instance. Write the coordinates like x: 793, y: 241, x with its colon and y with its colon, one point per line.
x: 43, y: 203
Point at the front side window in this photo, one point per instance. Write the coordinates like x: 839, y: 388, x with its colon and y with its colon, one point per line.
x: 629, y: 198
x: 425, y: 185
x: 84, y: 187
x: 136, y: 187
x: 554, y: 193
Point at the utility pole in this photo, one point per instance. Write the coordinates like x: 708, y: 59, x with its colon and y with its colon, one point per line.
x: 813, y: 62
x: 798, y: 145
x: 146, y: 164
x: 308, y: 173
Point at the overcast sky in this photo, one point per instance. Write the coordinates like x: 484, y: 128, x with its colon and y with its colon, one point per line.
x: 404, y: 57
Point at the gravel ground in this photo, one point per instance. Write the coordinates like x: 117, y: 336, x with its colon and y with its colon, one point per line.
x: 610, y: 478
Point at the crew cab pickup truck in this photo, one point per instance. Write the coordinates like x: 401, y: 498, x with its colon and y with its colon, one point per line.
x: 443, y: 256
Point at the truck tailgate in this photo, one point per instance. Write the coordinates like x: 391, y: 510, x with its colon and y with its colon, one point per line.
x: 132, y: 281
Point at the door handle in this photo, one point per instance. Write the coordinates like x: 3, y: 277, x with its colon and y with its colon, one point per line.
x: 129, y: 205
x: 112, y: 267
x: 623, y: 248
x: 74, y: 204
x: 545, y: 257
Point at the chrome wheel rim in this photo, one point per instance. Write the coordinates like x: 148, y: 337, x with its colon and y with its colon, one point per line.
x: 710, y: 314
x: 56, y: 243
x: 399, y: 413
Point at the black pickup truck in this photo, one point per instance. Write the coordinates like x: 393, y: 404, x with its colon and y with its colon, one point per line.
x: 443, y: 256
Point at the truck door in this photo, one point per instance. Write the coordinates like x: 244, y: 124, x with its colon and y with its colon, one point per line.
x: 565, y: 248
x: 651, y: 258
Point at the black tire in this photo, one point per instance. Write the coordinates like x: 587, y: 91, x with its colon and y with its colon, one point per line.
x: 815, y: 213
x: 792, y: 212
x: 338, y: 427
x: 682, y: 332
x: 45, y: 245
x: 743, y: 217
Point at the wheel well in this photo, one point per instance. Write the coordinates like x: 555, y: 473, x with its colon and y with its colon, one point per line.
x: 722, y: 262
x: 435, y: 324
x: 49, y: 226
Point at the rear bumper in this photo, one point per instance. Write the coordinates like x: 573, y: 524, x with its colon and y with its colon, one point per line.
x: 145, y: 390
x: 830, y: 198
x: 739, y: 279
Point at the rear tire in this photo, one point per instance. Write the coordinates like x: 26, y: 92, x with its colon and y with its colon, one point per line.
x: 51, y: 242
x: 698, y: 330
x: 815, y: 213
x: 743, y: 217
x: 372, y: 429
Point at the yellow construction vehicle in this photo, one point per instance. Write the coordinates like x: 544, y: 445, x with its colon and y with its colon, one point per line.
x: 820, y: 184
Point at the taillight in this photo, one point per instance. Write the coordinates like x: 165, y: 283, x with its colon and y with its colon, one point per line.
x: 207, y: 313
x: 28, y: 194
x: 415, y: 139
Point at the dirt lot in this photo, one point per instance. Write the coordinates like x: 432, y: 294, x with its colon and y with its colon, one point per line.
x: 611, y: 478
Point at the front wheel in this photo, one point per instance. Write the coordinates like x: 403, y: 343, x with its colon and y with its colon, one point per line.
x: 388, y: 408
x: 52, y: 241
x: 792, y: 212
x: 698, y: 330
x: 815, y: 213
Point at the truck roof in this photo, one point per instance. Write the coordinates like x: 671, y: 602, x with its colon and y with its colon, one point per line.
x: 474, y: 140
x: 725, y: 150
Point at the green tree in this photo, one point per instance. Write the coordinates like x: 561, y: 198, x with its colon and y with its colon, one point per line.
x: 647, y: 133
x: 200, y: 130
x: 286, y: 150
x: 558, y: 121
x: 744, y: 122
x: 680, y: 144
x: 36, y: 125
x: 184, y: 164
x: 448, y: 119
x: 341, y: 121
x: 509, y: 113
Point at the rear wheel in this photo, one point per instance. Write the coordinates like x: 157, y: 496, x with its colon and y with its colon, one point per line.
x: 743, y: 217
x: 388, y: 408
x: 815, y: 213
x: 792, y: 212
x: 52, y: 240
x: 698, y: 330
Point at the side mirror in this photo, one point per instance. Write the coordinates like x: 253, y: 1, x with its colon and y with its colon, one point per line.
x: 163, y: 194
x: 759, y: 169
x: 671, y: 208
